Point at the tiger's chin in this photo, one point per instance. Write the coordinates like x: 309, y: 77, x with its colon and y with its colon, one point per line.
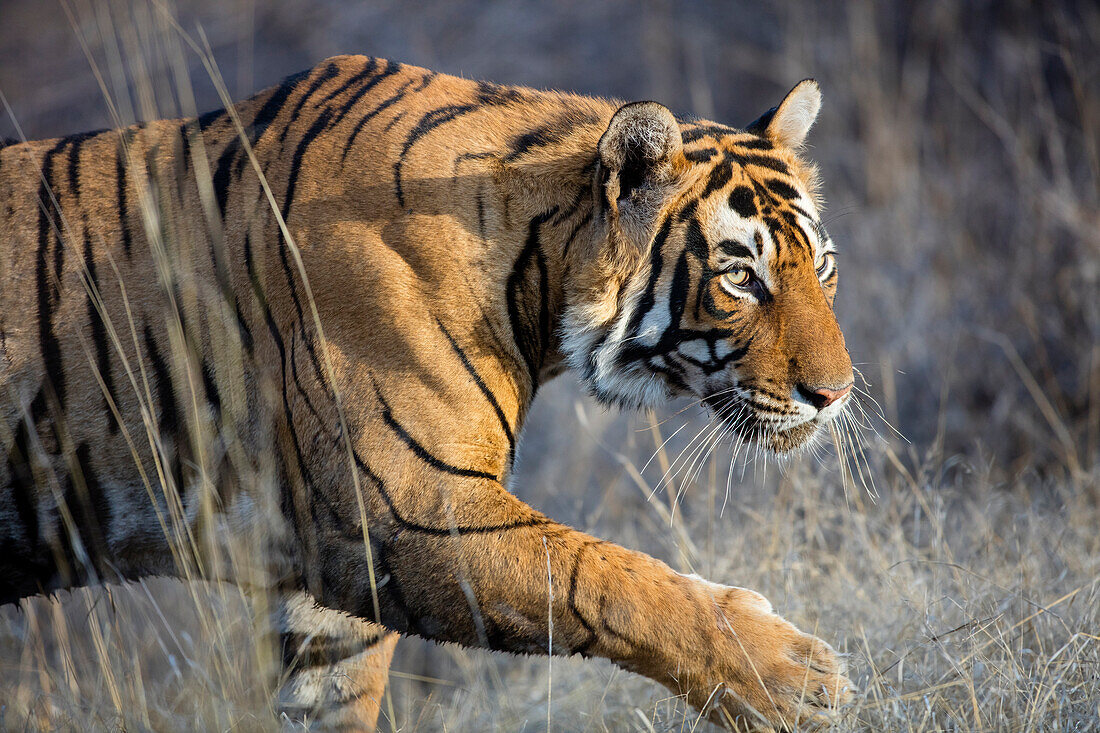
x: 780, y: 442
x: 790, y: 440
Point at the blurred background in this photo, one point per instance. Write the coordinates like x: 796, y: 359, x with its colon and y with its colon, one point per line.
x: 960, y: 148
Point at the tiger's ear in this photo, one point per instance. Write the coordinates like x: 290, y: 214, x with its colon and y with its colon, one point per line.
x: 790, y: 122
x: 639, y: 149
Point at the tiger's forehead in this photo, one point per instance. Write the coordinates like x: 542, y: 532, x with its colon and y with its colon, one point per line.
x: 747, y: 196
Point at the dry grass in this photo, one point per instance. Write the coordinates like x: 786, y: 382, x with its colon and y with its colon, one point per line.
x: 963, y: 604
x: 958, y: 569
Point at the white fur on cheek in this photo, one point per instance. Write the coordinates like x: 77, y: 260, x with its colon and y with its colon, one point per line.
x: 596, y: 362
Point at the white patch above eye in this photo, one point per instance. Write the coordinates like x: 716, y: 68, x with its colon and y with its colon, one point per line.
x: 725, y: 224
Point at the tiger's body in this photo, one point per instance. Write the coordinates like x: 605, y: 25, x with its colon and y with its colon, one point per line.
x: 333, y: 363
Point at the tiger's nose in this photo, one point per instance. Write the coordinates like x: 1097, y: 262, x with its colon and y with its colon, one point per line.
x: 822, y: 397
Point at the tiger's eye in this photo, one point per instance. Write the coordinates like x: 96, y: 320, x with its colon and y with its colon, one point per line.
x: 823, y: 264
x: 736, y: 279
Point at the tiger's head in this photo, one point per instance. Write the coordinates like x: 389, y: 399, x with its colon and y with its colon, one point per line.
x: 715, y: 277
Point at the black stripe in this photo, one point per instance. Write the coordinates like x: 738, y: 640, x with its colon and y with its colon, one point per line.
x: 497, y: 94
x: 688, y: 210
x: 396, y: 118
x: 700, y: 156
x: 421, y: 452
x: 221, y: 178
x: 670, y: 370
x: 781, y: 188
x: 695, y: 241
x: 168, y: 420
x: 547, y: 134
x: 504, y: 342
x: 754, y: 143
x: 768, y: 200
x: 89, y: 506
x: 470, y: 156
x: 47, y: 287
x: 678, y: 292
x: 489, y: 396
x: 120, y: 195
x: 74, y: 163
x: 368, y: 69
x: 390, y: 69
x: 288, y: 270
x: 578, y: 198
x: 711, y: 130
x: 719, y: 176
x: 735, y: 249
x: 481, y: 213
x: 242, y: 327
x: 330, y: 72
x: 288, y: 414
x: 571, y: 600
x: 296, y: 163
x: 649, y: 297
x: 530, y: 331
x: 210, y: 387
x: 425, y: 81
x: 428, y: 122
x: 405, y: 523
x: 585, y: 220
x: 800, y: 211
x: 743, y: 201
x: 24, y: 494
x: 298, y: 334
x: 488, y: 95
x: 764, y: 161
x: 267, y: 114
x: 99, y: 335
x: 274, y: 105
x: 183, y: 161
x: 370, y: 115
x: 775, y: 228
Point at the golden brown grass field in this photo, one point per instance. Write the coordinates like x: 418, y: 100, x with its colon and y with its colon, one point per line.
x: 948, y: 542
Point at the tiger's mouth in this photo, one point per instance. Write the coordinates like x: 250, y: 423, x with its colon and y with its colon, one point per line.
x: 747, y: 424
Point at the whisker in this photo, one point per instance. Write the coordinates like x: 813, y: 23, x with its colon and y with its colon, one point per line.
x: 865, y: 473
x: 700, y: 460
x: 662, y: 445
x: 672, y: 469
x: 695, y: 403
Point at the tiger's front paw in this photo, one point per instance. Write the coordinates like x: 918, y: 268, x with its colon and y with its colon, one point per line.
x: 765, y: 674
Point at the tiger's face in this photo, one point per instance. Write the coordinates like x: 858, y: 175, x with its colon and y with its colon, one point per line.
x: 732, y: 301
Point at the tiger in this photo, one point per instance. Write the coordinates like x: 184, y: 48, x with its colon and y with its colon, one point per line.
x: 318, y: 319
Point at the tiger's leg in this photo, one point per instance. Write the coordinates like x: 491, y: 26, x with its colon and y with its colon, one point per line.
x: 334, y: 666
x: 480, y: 568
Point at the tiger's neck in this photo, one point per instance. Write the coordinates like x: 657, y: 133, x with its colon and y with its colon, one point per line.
x: 558, y: 247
